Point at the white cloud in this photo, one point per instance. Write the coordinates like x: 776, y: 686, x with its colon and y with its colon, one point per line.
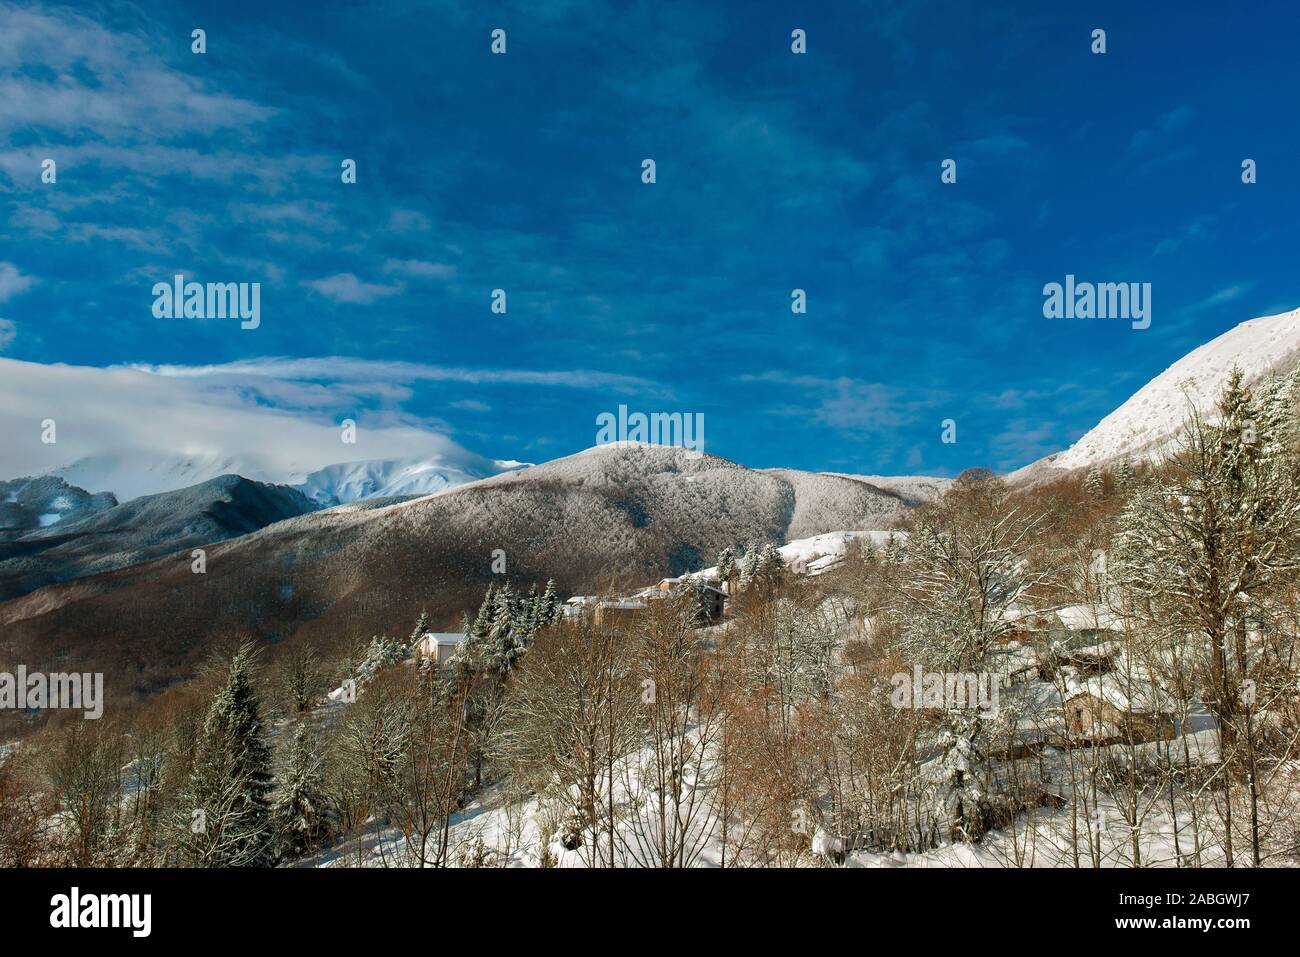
x: 12, y: 282
x: 271, y: 419
x: 133, y: 415
x: 346, y: 287
x: 1223, y: 296
x: 7, y: 333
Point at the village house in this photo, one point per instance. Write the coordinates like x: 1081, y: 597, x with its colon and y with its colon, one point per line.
x: 1103, y: 711
x: 579, y: 606
x: 713, y: 600
x: 439, y: 646
x: 616, y: 611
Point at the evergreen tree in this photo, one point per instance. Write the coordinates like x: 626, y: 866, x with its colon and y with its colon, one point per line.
x: 483, y: 620
x: 1092, y: 484
x: 529, y: 618
x: 421, y: 628
x: 379, y: 654
x: 550, y: 604
x: 225, y: 809
x: 1125, y: 477
x: 301, y: 818
x: 749, y: 566
x: 726, y: 567
x: 502, y: 636
x: 770, y: 563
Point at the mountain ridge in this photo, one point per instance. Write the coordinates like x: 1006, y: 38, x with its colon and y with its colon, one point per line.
x: 1144, y: 424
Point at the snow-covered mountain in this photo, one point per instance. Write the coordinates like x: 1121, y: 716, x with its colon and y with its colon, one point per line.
x: 93, y: 534
x: 28, y: 504
x: 1144, y: 425
x: 355, y: 481
x: 132, y: 473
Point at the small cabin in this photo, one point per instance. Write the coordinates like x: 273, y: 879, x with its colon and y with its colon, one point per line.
x: 439, y: 646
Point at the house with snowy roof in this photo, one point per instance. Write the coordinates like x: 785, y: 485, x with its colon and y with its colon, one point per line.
x: 1105, y: 709
x: 439, y: 646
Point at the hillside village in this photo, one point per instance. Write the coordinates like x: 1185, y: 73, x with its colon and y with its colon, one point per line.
x: 1064, y: 667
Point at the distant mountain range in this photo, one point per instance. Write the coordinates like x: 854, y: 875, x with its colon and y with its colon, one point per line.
x: 132, y: 473
x: 90, y: 538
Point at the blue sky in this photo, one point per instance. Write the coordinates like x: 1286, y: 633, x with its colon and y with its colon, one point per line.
x: 775, y: 171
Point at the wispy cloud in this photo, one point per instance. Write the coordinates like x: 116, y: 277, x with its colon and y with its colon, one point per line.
x: 344, y: 369
x: 347, y: 288
x: 1220, y: 297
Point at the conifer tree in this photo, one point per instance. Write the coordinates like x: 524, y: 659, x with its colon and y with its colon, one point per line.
x: 421, y: 627
x: 225, y: 811
x: 301, y: 817
x: 550, y: 603
x: 1092, y: 483
x: 726, y: 567
x: 502, y: 640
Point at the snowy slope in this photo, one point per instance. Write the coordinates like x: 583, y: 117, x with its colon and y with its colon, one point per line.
x: 1144, y: 425
x: 914, y: 489
x: 817, y: 553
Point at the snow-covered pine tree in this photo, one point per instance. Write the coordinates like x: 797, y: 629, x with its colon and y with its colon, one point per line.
x: 301, y: 817
x: 529, y: 618
x: 502, y: 638
x: 748, y: 565
x: 382, y: 652
x: 770, y: 563
x: 550, y: 603
x: 726, y: 568
x: 225, y: 809
x: 421, y: 627
x: 894, y: 550
x: 483, y: 620
x: 1092, y: 483
x: 1125, y: 477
